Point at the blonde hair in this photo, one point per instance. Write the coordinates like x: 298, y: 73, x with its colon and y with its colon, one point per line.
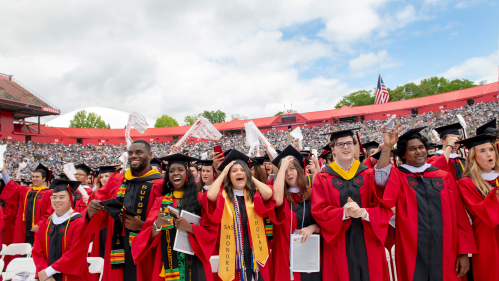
x: 472, y: 168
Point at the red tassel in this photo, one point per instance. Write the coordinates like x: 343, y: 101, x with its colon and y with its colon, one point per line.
x: 124, y: 218
x: 187, y: 175
x: 360, y: 144
x: 249, y: 163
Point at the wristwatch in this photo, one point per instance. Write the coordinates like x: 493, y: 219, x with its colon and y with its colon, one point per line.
x: 155, y: 227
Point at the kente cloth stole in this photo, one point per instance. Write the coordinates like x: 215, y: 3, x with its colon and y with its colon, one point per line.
x: 140, y: 195
x: 232, y: 241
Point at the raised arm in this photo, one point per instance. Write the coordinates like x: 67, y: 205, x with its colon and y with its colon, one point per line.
x: 214, y: 189
x: 263, y: 188
x: 279, y: 183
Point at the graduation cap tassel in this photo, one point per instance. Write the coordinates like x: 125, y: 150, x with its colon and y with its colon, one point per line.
x: 70, y: 197
x: 360, y: 144
x: 304, y: 166
x: 187, y: 175
x: 249, y: 163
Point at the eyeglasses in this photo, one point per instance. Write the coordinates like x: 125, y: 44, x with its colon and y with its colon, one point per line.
x: 342, y: 144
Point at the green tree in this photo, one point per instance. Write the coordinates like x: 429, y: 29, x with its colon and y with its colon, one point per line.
x: 238, y: 116
x: 217, y: 116
x: 191, y: 119
x: 83, y: 120
x: 207, y: 114
x: 282, y: 112
x: 361, y: 97
x: 165, y: 121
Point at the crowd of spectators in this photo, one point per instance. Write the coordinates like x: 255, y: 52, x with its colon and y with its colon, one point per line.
x: 54, y: 155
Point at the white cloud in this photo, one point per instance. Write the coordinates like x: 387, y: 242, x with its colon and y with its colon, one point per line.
x: 476, y: 68
x: 368, y: 60
x: 180, y: 58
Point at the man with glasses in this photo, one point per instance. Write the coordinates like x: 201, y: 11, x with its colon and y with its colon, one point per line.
x: 82, y: 174
x: 352, y: 223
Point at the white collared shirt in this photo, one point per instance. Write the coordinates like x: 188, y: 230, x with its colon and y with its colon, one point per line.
x: 206, y: 187
x: 490, y: 176
x: 58, y: 220
x: 452, y: 155
x: 294, y: 189
x: 238, y: 192
x: 413, y: 169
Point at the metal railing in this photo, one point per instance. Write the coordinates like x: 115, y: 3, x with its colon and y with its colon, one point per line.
x: 34, y: 93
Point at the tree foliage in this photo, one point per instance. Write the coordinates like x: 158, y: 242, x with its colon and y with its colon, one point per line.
x: 165, y: 121
x: 83, y: 120
x: 427, y: 87
x: 282, y: 112
x: 238, y: 116
x: 361, y: 97
x: 213, y: 116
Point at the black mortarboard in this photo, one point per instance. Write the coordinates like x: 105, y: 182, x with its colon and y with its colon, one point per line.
x: 107, y: 169
x: 438, y: 145
x: 58, y: 185
x: 340, y: 134
x: 156, y: 162
x: 487, y: 128
x: 412, y: 134
x: 378, y: 154
x: 62, y: 176
x: 327, y: 147
x: 454, y: 129
x: 44, y: 170
x: 290, y: 151
x: 369, y: 145
x: 205, y: 162
x: 227, y: 152
x: 179, y: 158
x: 306, y: 153
x: 477, y: 140
x: 115, y: 208
x: 325, y: 154
x: 232, y: 156
x: 258, y: 160
x: 83, y: 167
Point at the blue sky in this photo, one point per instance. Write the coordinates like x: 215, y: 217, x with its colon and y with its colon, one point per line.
x: 243, y: 57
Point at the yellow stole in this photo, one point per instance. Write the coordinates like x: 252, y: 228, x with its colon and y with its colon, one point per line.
x: 227, y: 263
x: 129, y: 176
x: 347, y: 175
x: 37, y: 189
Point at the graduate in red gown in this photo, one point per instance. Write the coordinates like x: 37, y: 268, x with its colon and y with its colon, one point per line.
x: 59, y: 253
x: 137, y: 190
x: 370, y: 148
x: 34, y: 203
x: 353, y: 225
x: 449, y: 134
x: 239, y: 209
x: 83, y: 172
x: 433, y: 235
x: 155, y: 241
x: 479, y: 190
x: 293, y: 206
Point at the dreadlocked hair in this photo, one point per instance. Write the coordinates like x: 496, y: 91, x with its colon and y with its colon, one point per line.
x: 190, y: 200
x: 250, y: 186
x: 402, y: 146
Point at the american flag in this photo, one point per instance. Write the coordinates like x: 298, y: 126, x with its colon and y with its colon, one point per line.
x: 382, y: 95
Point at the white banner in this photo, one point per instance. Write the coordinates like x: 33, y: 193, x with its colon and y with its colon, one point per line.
x: 137, y: 121
x: 202, y: 129
x: 463, y: 123
x: 253, y: 132
x: 296, y: 134
x: 70, y: 171
x: 124, y: 159
x: 22, y: 165
x: 2, y: 152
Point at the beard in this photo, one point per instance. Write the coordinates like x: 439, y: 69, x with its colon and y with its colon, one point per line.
x: 139, y: 168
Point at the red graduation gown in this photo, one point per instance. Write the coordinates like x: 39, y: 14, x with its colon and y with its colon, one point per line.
x: 280, y: 245
x: 263, y: 209
x: 80, y: 205
x: 368, y: 163
x: 202, y: 242
x: 73, y: 262
x: 431, y: 225
x: 485, y: 215
x: 450, y: 166
x: 102, y: 219
x: 43, y: 208
x: 327, y: 209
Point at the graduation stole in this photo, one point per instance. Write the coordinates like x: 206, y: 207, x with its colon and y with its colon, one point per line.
x: 231, y: 238
x: 37, y: 189
x: 170, y: 270
x: 141, y: 200
x: 347, y: 175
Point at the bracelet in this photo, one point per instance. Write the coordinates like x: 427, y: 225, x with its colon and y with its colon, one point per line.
x: 449, y: 145
x: 155, y: 227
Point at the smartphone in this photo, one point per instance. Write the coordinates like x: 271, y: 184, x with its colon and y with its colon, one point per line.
x: 173, y: 212
x: 218, y: 149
